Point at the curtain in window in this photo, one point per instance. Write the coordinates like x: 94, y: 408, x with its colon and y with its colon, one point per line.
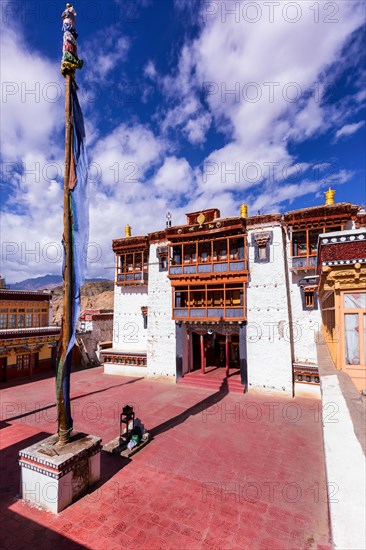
x: 355, y: 300
x: 352, y: 338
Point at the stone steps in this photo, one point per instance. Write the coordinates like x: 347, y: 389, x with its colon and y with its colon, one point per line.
x: 215, y: 384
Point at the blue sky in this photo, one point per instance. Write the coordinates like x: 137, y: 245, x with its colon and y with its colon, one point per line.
x: 188, y: 105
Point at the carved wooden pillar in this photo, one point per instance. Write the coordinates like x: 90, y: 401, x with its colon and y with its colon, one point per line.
x: 203, y: 356
x: 31, y: 365
x: 189, y: 362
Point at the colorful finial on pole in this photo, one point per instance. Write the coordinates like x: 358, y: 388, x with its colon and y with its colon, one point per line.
x: 70, y: 61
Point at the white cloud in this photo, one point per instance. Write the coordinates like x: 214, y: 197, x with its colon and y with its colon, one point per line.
x: 288, y: 192
x: 264, y: 84
x: 137, y: 175
x: 102, y: 60
x: 124, y: 156
x: 190, y: 119
x: 197, y: 128
x: 349, y: 129
x: 32, y: 90
x: 174, y: 177
x: 188, y: 116
x: 32, y: 115
x: 150, y: 70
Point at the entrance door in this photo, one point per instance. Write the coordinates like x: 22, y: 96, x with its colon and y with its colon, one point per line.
x: 234, y: 360
x: 196, y: 351
x: 353, y: 308
x: 33, y: 364
x: 23, y: 365
x: 215, y: 350
x: 219, y: 351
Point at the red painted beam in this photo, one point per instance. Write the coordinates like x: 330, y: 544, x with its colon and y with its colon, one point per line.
x: 203, y: 357
x: 227, y: 355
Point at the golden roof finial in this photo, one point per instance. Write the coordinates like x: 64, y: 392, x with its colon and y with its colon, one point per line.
x: 329, y: 196
x: 127, y: 230
x: 244, y: 210
x: 201, y: 218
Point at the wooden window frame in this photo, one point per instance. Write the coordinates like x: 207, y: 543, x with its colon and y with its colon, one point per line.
x: 309, y: 299
x: 3, y: 320
x: 139, y: 264
x: 212, y: 259
x: 23, y: 361
x: 225, y: 289
x: 322, y: 229
x: 362, y: 339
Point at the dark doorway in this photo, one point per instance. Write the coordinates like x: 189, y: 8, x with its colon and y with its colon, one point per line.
x: 33, y: 364
x: 234, y: 356
x: 3, y: 365
x: 196, y: 351
x: 220, y: 351
x: 215, y: 350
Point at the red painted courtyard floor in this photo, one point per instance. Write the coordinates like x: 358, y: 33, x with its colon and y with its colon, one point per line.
x: 224, y: 471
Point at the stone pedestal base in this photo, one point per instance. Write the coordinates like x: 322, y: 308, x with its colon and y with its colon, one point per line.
x: 53, y: 476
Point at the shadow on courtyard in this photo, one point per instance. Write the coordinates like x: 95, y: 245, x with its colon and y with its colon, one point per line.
x: 38, y: 376
x: 16, y: 528
x: 198, y: 408
x: 53, y: 405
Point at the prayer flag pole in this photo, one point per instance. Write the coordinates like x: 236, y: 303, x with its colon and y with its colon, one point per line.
x: 70, y: 63
x: 77, y: 454
x: 64, y: 426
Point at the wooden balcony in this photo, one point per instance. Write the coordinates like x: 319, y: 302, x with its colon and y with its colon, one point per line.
x: 209, y: 313
x: 132, y: 278
x: 208, y: 268
x: 132, y: 264
x: 208, y: 258
x: 303, y: 263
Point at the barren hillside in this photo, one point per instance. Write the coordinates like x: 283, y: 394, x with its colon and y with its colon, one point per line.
x: 98, y: 295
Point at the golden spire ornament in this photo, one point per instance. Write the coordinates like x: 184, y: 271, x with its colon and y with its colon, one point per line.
x: 329, y: 196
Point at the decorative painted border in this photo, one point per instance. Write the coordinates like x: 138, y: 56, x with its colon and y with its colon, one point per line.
x: 51, y: 470
x: 33, y: 466
x: 343, y: 239
x: 311, y: 371
x: 345, y: 262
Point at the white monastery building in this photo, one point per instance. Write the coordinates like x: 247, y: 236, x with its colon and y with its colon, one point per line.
x: 225, y: 302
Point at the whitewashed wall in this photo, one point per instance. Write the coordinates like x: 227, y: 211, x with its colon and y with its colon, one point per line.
x: 268, y: 334
x: 161, y: 346
x: 306, y: 324
x: 129, y: 334
x: 99, y: 330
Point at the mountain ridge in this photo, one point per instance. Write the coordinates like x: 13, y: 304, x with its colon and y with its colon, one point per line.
x: 94, y: 295
x: 45, y: 282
